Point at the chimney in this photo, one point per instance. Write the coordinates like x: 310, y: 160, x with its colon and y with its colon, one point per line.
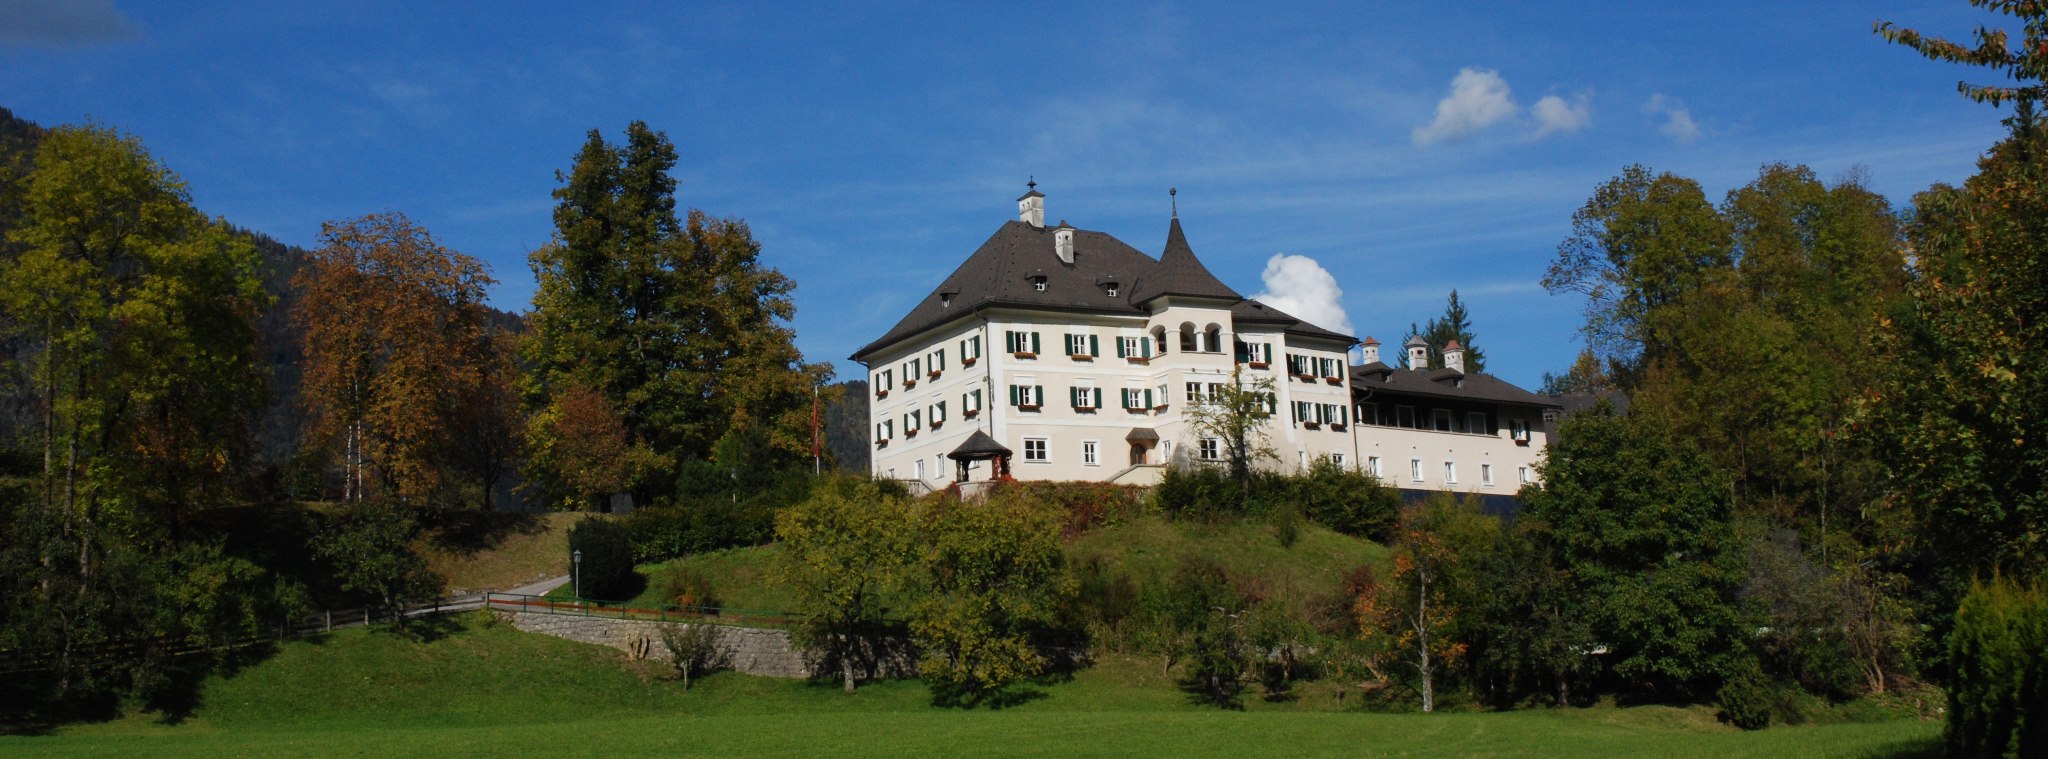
x: 1418, y: 352
x: 1063, y: 242
x: 1031, y: 206
x: 1454, y: 356
x: 1370, y: 351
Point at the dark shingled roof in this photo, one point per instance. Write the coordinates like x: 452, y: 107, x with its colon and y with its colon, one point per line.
x: 1253, y: 312
x: 1376, y: 377
x: 1002, y: 272
x: 978, y: 446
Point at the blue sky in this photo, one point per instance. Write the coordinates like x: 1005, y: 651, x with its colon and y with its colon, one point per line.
x: 872, y: 146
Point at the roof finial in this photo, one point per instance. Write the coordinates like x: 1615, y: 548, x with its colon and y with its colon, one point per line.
x: 1170, y: 193
x: 1032, y: 184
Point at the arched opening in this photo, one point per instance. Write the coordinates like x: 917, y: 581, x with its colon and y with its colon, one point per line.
x: 1159, y: 338
x: 1189, y: 340
x: 1212, y: 339
x: 1137, y: 454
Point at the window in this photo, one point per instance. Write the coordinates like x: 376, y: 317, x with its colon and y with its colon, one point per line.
x: 1082, y: 346
x: 1160, y: 400
x: 1518, y: 429
x: 1132, y: 347
x: 1259, y: 355
x: 1337, y: 458
x: 970, y: 349
x: 1038, y: 283
x: 1028, y: 397
x: 920, y: 469
x: 911, y: 369
x: 938, y: 413
x: 1486, y: 475
x: 1475, y: 423
x: 884, y: 382
x: 1372, y: 465
x: 1134, y: 399
x: 1215, y: 391
x: 1211, y: 449
x: 1023, y: 344
x: 1112, y: 289
x: 970, y: 403
x: 1086, y: 398
x: 1522, y: 474
x: 910, y: 423
x: 1194, y: 392
x: 1450, y: 472
x: 1404, y: 416
x: 1440, y: 420
x: 1415, y: 469
x: 1369, y: 413
x: 936, y: 361
x: 1089, y: 456
x: 882, y: 432
x: 1034, y: 450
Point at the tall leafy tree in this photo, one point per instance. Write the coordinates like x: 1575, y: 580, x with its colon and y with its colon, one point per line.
x: 846, y: 557
x: 677, y: 322
x: 401, y: 365
x: 134, y: 312
x: 1235, y: 414
x: 1638, y: 522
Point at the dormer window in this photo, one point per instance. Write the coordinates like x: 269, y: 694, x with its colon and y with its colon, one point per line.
x: 946, y: 298
x: 1111, y: 289
x: 1038, y: 283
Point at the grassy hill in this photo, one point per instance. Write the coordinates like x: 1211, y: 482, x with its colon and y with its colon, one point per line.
x: 487, y: 689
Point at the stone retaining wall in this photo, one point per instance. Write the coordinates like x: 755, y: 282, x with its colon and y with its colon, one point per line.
x: 748, y: 650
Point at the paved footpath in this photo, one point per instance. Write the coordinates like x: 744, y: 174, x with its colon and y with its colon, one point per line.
x: 539, y: 588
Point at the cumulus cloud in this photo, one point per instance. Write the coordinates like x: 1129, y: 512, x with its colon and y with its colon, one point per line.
x: 1305, y: 290
x: 1479, y: 99
x: 62, y: 23
x: 1678, y: 124
x: 1555, y: 115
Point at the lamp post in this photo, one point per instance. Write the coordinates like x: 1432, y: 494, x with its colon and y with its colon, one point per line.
x: 576, y: 571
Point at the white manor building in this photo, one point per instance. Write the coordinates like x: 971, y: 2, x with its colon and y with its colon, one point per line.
x: 1064, y: 354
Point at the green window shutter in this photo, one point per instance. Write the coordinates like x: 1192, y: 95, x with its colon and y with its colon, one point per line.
x: 1014, y: 398
x: 1097, y: 393
x: 1038, y: 395
x: 1034, y: 342
x: 1148, y: 399
x: 1148, y: 347
x: 1120, y: 352
x: 1094, y: 346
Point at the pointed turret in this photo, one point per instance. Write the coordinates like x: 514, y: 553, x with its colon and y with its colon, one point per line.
x: 1180, y: 273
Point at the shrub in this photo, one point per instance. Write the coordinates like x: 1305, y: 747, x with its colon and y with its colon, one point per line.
x: 1199, y: 492
x: 693, y: 650
x: 1746, y: 701
x: 668, y: 532
x: 1998, y: 687
x: 607, y: 569
x: 1348, y: 501
x: 684, y: 586
x: 1211, y: 614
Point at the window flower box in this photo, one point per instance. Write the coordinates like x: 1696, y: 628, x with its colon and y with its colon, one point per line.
x: 1024, y: 354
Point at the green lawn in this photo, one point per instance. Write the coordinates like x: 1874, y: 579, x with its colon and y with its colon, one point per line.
x: 495, y: 690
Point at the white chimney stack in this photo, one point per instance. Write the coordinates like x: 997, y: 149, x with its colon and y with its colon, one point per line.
x: 1454, y: 356
x: 1063, y: 242
x: 1418, y: 352
x: 1369, y: 351
x: 1031, y: 207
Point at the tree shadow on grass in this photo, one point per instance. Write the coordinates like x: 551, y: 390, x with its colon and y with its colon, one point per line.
x: 470, y: 532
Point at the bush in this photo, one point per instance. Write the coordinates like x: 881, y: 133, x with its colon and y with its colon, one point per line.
x: 1998, y: 656
x: 1746, y: 701
x: 1199, y: 492
x: 692, y: 650
x: 1348, y: 501
x: 684, y: 586
x: 607, y: 570
x: 1210, y: 613
x: 668, y: 532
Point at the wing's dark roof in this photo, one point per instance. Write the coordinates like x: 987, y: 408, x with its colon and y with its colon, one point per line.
x: 1376, y: 377
x: 1180, y: 273
x: 1250, y: 311
x: 1002, y: 271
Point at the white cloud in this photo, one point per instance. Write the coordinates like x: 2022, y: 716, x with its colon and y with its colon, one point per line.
x: 1554, y: 115
x: 1479, y: 98
x: 1305, y: 290
x: 1678, y: 123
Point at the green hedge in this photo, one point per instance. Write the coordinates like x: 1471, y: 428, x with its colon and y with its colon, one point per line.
x: 1998, y: 656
